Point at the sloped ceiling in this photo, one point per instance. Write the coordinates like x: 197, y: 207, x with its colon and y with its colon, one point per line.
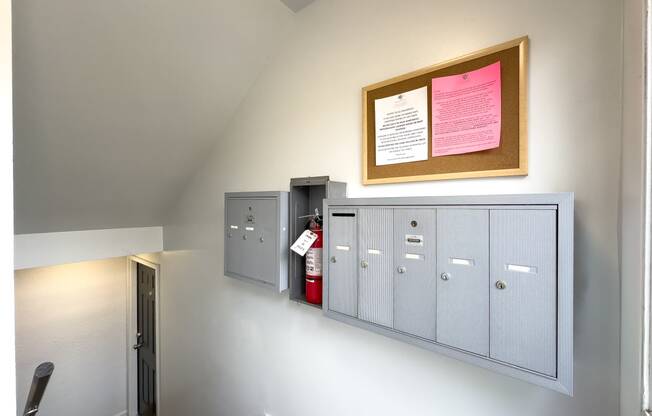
x: 116, y: 102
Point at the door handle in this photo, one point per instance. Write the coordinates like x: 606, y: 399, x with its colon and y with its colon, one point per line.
x: 139, y: 342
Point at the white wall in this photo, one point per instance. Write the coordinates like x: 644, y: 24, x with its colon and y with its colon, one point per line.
x: 7, y: 366
x: 234, y: 349
x: 108, y: 94
x: 75, y: 316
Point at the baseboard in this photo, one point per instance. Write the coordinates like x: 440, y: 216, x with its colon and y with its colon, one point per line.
x: 123, y: 413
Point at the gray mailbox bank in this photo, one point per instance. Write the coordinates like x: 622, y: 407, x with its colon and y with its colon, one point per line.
x: 484, y: 279
x: 256, y: 238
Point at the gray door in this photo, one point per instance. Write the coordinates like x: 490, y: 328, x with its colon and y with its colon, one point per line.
x: 376, y: 278
x: 146, y: 347
x: 523, y: 290
x: 343, y: 261
x: 463, y: 283
x: 414, y: 275
x: 260, y: 217
x: 234, y: 242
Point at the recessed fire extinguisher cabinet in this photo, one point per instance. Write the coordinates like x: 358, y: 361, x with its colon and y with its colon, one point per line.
x: 306, y: 195
x: 256, y: 238
x: 484, y: 279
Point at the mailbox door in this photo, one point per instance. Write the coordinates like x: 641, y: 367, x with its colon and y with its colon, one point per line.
x: 234, y: 229
x: 524, y: 288
x: 261, y: 226
x: 414, y: 273
x: 343, y: 261
x: 463, y: 279
x: 376, y: 277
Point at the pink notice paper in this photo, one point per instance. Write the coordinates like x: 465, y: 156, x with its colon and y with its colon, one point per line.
x: 466, y: 112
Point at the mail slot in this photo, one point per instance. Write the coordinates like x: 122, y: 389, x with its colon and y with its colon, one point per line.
x: 343, y: 214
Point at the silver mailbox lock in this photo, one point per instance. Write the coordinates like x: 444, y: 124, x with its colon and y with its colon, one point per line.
x: 333, y: 259
x: 445, y: 276
x: 364, y: 264
x: 501, y: 284
x: 401, y: 269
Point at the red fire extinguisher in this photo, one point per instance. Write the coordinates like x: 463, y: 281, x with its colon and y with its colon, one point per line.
x: 314, y: 263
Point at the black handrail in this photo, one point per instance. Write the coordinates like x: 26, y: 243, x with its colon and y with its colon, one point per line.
x: 39, y: 383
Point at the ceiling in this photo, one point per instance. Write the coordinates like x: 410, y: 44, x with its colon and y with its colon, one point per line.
x: 116, y: 103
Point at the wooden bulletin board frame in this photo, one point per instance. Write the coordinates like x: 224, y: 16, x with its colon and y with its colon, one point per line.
x: 509, y: 159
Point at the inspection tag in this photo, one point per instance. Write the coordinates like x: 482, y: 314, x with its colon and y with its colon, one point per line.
x: 304, y: 242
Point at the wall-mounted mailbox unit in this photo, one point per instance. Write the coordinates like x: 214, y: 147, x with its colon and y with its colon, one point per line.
x: 485, y: 279
x: 256, y: 237
x: 306, y: 194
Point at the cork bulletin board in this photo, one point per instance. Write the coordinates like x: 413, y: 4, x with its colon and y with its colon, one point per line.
x: 508, y: 159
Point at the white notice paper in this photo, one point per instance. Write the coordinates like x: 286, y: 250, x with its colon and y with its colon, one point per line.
x: 304, y: 242
x: 402, y: 127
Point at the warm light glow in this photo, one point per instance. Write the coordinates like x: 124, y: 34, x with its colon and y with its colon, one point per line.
x: 7, y: 364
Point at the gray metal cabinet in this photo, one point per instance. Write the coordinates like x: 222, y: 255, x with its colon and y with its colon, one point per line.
x: 484, y: 279
x: 524, y: 288
x: 306, y: 195
x: 342, y: 245
x: 415, y: 282
x: 376, y: 286
x: 463, y: 284
x: 256, y: 237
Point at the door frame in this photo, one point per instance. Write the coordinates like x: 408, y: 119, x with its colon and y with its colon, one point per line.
x: 132, y: 326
